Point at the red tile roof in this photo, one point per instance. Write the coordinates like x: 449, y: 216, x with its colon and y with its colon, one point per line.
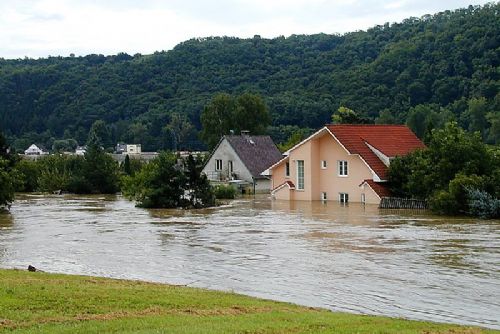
x: 380, y: 188
x: 391, y: 140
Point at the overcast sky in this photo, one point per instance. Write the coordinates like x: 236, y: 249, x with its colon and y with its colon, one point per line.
x: 39, y: 28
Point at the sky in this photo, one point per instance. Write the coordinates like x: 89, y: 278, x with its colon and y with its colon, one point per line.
x: 39, y: 28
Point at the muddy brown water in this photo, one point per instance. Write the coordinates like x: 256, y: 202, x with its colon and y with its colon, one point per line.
x: 354, y: 259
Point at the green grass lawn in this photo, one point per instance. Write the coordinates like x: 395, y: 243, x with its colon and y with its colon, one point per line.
x: 52, y: 303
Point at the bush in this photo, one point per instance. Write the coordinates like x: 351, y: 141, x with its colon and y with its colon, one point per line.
x: 224, y: 192
x: 454, y: 200
x: 481, y: 204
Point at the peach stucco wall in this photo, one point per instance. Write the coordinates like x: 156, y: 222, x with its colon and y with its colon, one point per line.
x: 318, y: 180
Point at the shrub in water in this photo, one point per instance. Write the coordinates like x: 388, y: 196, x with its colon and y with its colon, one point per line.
x: 224, y: 192
x: 482, y: 204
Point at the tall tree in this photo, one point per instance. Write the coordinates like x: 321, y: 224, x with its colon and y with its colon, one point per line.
x: 225, y: 113
x: 217, y: 119
x: 251, y: 114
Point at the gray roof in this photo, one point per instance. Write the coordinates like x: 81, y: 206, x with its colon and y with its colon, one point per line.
x: 257, y: 152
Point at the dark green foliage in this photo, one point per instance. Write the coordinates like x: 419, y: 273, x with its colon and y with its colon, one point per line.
x: 64, y: 145
x: 29, y: 173
x: 453, y: 162
x: 168, y: 182
x: 224, y: 192
x: 199, y: 191
x: 445, y: 59
x: 99, y: 172
x: 96, y: 172
x: 296, y: 137
x: 7, y: 184
x: 225, y: 113
x: 126, y: 166
x: 9, y: 179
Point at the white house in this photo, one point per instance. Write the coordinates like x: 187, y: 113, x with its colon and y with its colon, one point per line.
x: 243, y: 158
x: 36, y: 150
x: 133, y: 149
x: 81, y: 150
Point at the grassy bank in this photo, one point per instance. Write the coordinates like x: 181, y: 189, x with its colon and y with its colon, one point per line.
x: 53, y: 303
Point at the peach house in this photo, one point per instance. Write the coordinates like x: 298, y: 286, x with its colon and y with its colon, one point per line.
x: 345, y: 163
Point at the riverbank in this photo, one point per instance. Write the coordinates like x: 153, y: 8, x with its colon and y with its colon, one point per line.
x: 54, y: 303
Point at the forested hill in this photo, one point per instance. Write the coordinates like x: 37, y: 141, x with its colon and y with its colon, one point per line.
x: 439, y: 61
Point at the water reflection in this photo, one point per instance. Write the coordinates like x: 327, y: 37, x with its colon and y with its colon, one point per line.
x: 6, y: 220
x: 350, y: 258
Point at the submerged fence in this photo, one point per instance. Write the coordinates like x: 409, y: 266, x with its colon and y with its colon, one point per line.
x: 403, y: 203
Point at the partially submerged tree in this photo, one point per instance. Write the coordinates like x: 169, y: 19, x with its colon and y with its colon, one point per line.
x: 166, y: 183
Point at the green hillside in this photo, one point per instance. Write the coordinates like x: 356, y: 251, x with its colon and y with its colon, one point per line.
x: 422, y: 71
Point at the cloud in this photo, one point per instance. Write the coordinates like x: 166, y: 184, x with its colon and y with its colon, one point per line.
x: 38, y: 28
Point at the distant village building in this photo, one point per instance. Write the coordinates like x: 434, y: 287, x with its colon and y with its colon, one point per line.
x: 121, y: 148
x: 133, y: 149
x: 344, y: 163
x: 81, y: 150
x: 128, y: 148
x: 242, y: 159
x: 36, y: 149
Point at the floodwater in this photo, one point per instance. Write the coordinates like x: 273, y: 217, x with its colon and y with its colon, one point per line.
x: 355, y: 258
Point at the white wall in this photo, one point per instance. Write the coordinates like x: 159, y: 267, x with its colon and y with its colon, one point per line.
x: 225, y: 152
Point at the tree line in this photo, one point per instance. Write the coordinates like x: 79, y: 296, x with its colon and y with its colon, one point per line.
x: 166, y: 182
x: 422, y: 71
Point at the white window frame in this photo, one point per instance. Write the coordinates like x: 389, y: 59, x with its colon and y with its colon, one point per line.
x: 287, y: 169
x: 230, y: 166
x: 323, y: 164
x: 342, y: 168
x: 363, y: 198
x: 324, y: 196
x: 218, y: 164
x: 344, y: 198
x: 300, y: 180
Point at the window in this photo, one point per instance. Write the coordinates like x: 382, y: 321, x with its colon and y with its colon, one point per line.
x: 287, y: 169
x: 218, y: 164
x: 323, y: 164
x: 323, y: 196
x: 363, y: 198
x: 300, y: 174
x: 343, y: 198
x: 343, y: 168
x: 230, y: 167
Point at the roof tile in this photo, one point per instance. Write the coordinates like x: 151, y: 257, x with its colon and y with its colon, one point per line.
x: 391, y: 140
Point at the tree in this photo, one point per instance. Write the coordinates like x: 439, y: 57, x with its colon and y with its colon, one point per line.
x: 126, y: 166
x: 7, y: 184
x: 295, y: 138
x: 217, y: 119
x: 476, y: 115
x: 198, y: 186
x: 251, y: 114
x: 8, y: 176
x: 180, y: 130
x: 99, y: 171
x: 99, y: 134
x: 225, y: 113
x: 453, y: 162
x: 167, y: 183
x: 344, y: 115
x: 159, y: 184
